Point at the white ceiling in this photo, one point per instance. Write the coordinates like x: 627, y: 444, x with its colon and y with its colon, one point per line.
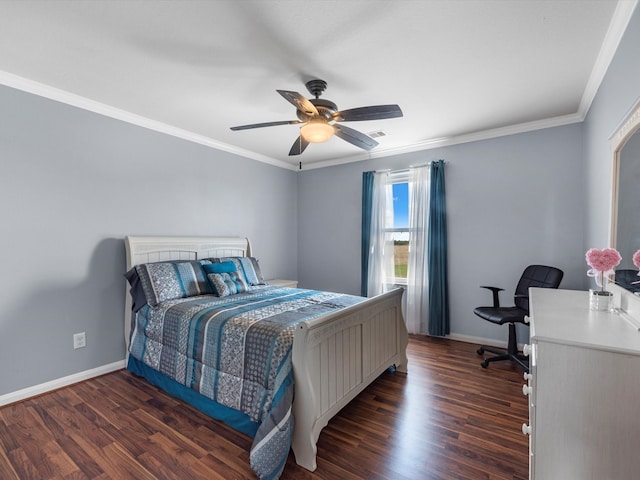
x: 460, y: 70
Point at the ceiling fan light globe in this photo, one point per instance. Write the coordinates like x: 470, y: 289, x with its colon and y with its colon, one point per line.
x: 316, y: 131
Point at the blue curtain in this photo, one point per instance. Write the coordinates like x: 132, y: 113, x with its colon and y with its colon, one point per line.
x: 367, y: 196
x: 437, y: 254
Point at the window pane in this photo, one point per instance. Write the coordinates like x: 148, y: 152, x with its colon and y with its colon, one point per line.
x: 401, y: 257
x: 401, y: 205
x: 401, y: 220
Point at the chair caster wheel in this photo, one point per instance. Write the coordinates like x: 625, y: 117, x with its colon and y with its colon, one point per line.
x: 480, y: 351
x: 484, y: 364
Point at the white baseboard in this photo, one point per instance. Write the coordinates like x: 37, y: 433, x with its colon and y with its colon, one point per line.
x: 25, y: 393
x: 489, y: 342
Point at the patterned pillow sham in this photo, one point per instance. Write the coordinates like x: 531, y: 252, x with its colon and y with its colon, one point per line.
x: 170, y: 280
x: 248, y: 266
x: 226, y: 284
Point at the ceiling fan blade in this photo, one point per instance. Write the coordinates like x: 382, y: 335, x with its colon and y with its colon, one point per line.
x: 300, y: 102
x: 266, y: 124
x: 354, y: 137
x: 298, y: 146
x: 374, y: 112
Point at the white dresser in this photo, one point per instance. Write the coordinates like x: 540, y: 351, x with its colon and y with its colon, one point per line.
x: 584, y: 391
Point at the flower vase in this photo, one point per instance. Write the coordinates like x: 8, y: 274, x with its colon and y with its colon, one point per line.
x: 600, y: 300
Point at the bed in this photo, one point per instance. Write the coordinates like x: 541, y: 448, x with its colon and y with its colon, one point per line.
x: 327, y: 347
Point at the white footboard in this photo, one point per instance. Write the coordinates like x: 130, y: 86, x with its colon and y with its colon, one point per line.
x: 336, y: 357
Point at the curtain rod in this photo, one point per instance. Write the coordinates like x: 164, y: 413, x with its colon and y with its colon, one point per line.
x: 405, y: 170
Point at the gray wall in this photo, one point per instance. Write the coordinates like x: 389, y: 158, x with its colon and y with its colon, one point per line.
x: 73, y: 184
x: 619, y: 91
x: 511, y: 202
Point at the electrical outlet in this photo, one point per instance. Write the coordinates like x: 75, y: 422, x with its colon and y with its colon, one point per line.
x: 79, y: 340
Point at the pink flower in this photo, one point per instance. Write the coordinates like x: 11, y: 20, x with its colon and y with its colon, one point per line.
x: 604, y: 260
x: 602, y: 263
x: 636, y: 258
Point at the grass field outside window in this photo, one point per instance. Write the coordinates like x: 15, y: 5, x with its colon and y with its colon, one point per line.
x: 401, y: 258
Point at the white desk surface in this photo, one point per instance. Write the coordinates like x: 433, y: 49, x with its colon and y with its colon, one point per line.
x: 563, y: 316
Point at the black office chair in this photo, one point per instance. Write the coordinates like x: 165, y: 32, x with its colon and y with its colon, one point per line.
x: 533, y: 276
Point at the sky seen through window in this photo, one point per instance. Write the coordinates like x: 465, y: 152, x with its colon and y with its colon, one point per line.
x: 401, y: 209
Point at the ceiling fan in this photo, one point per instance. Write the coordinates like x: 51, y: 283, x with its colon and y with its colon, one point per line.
x: 320, y: 119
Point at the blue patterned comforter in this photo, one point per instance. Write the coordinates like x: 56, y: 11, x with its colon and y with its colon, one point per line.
x: 236, y: 351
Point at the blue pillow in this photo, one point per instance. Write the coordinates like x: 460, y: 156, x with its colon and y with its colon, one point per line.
x: 222, y: 267
x: 246, y: 266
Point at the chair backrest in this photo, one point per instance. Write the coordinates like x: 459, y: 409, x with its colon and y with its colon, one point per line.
x: 536, y: 276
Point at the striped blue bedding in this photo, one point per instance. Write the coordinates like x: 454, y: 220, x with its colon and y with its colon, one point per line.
x: 231, y: 357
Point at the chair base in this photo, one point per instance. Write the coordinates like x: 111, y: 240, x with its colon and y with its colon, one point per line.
x: 503, y: 355
x: 511, y: 353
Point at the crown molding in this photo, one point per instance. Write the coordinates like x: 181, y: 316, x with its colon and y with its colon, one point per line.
x: 52, y: 93
x: 455, y: 140
x: 68, y: 98
x: 618, y: 25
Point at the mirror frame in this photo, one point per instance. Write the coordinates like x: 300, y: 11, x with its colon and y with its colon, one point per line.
x: 629, y: 302
x: 625, y: 130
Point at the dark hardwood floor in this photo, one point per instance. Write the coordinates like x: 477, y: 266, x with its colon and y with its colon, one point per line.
x: 448, y: 418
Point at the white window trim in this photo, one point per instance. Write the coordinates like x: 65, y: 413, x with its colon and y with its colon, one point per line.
x: 401, y: 176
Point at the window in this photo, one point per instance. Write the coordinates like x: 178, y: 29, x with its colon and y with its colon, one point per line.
x: 400, y: 229
x: 396, y: 208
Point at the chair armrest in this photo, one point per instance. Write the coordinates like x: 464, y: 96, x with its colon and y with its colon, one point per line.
x: 494, y: 290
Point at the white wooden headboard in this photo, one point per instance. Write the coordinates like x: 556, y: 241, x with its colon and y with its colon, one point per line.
x: 159, y: 249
